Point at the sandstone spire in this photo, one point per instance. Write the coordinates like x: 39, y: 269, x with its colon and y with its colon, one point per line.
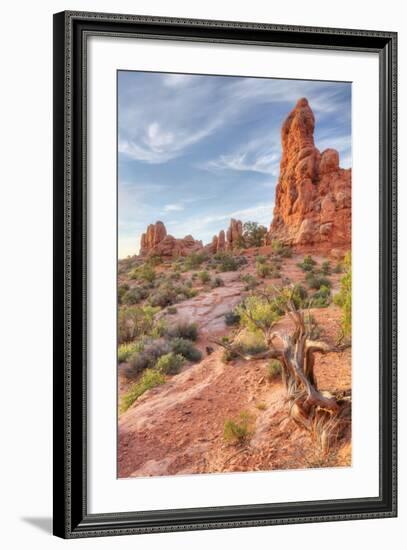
x: 313, y: 194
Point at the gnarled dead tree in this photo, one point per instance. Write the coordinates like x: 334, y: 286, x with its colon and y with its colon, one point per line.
x: 322, y: 413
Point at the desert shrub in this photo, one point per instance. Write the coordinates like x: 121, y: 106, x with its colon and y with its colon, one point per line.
x: 251, y: 343
x: 228, y: 262
x: 194, y: 260
x: 228, y: 355
x: 281, y: 249
x: 254, y: 234
x: 258, y: 313
x: 121, y: 291
x: 217, y: 282
x: 204, y: 277
x: 134, y: 295
x: 316, y: 282
x: 261, y: 406
x: 263, y: 270
x: 189, y: 331
x: 145, y: 272
x: 312, y: 327
x: 321, y: 298
x: 239, y: 431
x: 154, y: 260
x: 184, y: 347
x: 344, y: 296
x: 147, y: 356
x: 250, y: 280
x: 261, y: 259
x: 338, y: 268
x: 326, y: 267
x: 170, y: 363
x: 134, y: 321
x: 307, y: 264
x: 175, y: 276
x: 171, y: 310
x: 296, y: 293
x: 232, y: 318
x: 273, y: 369
x: 165, y: 295
x: 125, y: 351
x: 150, y: 379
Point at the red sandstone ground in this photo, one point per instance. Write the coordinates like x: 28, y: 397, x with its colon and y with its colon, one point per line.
x: 177, y: 428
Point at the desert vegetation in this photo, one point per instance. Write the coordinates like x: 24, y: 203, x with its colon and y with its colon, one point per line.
x: 235, y: 354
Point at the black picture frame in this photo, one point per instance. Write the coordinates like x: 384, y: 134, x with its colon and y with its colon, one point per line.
x: 71, y: 518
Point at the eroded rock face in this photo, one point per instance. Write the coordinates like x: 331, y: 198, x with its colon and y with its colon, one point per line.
x: 156, y: 241
x: 230, y: 239
x: 313, y: 194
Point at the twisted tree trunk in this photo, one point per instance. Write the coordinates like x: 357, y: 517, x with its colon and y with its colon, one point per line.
x: 323, y: 414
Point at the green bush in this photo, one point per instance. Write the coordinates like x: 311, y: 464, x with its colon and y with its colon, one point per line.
x: 164, y: 296
x: 170, y: 363
x: 307, y: 264
x: 134, y: 295
x: 134, y: 321
x: 239, y: 431
x: 281, y: 249
x: 344, y: 296
x: 185, y: 348
x: 321, y: 298
x: 204, y: 277
x: 189, y: 331
x: 263, y: 270
x: 150, y: 379
x: 326, y: 267
x: 125, y: 351
x: 273, y: 369
x: 217, y: 282
x: 232, y: 318
x: 312, y: 327
x: 316, y: 282
x: 251, y: 343
x: 253, y: 234
x: 260, y: 259
x: 147, y: 356
x: 227, y: 262
x: 258, y: 313
x: 250, y: 280
x: 338, y: 268
x: 194, y: 260
x: 121, y: 291
x: 143, y: 273
x: 171, y: 310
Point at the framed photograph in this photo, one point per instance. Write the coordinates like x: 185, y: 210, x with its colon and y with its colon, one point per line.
x: 225, y: 274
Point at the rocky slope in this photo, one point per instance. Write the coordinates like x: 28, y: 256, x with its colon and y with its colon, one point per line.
x: 313, y: 194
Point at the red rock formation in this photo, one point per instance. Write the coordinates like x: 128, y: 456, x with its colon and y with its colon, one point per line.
x: 230, y: 240
x: 233, y: 234
x: 313, y: 194
x: 156, y: 241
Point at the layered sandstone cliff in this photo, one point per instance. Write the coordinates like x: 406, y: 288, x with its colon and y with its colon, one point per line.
x: 313, y: 194
x: 156, y: 241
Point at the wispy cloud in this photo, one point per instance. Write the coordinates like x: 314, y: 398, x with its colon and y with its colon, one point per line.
x: 157, y: 145
x: 173, y: 207
x: 243, y: 162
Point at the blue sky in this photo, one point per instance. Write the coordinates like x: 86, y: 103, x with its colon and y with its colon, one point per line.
x: 196, y: 150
